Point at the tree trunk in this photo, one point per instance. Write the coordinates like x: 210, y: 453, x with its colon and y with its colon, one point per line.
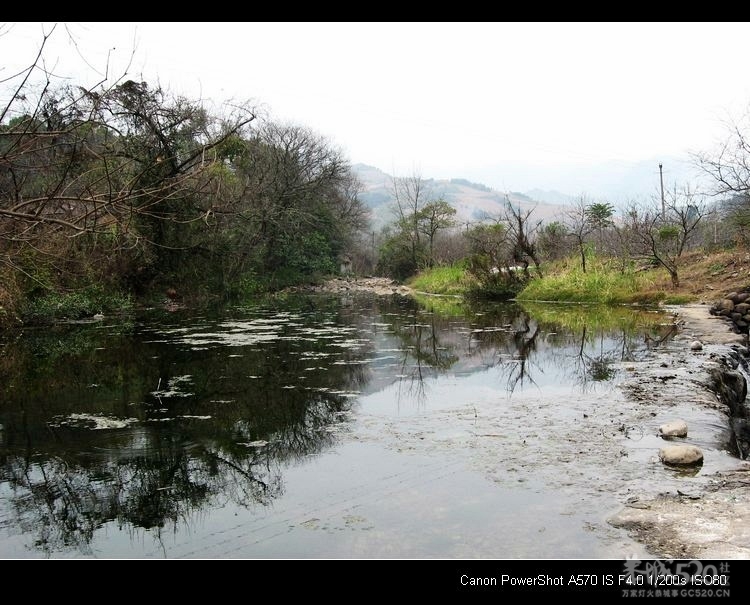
x: 583, y: 258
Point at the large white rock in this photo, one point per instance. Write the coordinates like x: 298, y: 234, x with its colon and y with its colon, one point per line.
x: 681, y: 455
x: 676, y: 428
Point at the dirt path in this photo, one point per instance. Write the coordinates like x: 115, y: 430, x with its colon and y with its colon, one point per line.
x: 705, y: 327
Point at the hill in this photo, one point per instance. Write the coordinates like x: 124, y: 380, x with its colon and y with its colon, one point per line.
x: 472, y: 201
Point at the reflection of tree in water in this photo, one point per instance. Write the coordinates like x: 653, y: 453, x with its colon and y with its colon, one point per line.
x: 520, y: 344
x: 505, y: 338
x: 596, y: 368
x: 601, y: 340
x: 422, y: 341
x: 162, y: 478
x: 228, y: 442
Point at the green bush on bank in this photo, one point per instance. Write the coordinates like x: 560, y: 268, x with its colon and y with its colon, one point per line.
x: 450, y: 279
x: 78, y: 304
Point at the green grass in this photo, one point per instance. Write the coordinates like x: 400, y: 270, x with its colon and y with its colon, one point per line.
x: 451, y: 279
x: 601, y: 283
x: 678, y: 299
x: 594, y: 317
x: 444, y: 306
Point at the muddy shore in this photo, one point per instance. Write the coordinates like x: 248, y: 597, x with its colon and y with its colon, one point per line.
x: 710, y: 516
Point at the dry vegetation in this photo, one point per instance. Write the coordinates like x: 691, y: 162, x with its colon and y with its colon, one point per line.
x: 709, y: 277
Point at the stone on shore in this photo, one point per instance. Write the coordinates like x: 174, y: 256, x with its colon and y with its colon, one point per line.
x: 676, y: 428
x: 681, y: 455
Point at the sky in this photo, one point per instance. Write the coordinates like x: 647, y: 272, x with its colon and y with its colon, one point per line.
x: 512, y: 105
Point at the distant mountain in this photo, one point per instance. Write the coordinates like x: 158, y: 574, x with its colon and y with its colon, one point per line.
x: 472, y: 201
x: 615, y: 181
x: 550, y: 196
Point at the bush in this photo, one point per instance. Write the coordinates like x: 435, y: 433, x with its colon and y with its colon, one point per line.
x: 74, y: 305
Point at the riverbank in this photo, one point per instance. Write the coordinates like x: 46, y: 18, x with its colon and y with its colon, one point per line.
x: 709, y: 515
x: 381, y: 286
x: 703, y: 277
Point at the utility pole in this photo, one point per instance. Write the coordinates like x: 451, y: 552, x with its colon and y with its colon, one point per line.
x: 661, y: 180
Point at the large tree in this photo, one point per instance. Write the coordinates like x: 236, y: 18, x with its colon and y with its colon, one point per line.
x: 297, y: 194
x: 410, y: 196
x: 116, y: 168
x: 435, y: 216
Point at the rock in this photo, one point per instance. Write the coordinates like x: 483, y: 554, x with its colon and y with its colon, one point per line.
x: 742, y: 308
x: 731, y: 388
x: 741, y: 432
x: 689, y: 495
x: 676, y: 428
x: 681, y: 455
x: 726, y: 305
x: 696, y: 345
x: 633, y: 503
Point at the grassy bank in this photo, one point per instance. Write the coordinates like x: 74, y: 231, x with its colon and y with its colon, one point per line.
x: 452, y: 279
x: 703, y: 276
x: 602, y: 283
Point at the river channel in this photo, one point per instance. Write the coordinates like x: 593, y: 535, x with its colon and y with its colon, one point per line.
x: 325, y: 427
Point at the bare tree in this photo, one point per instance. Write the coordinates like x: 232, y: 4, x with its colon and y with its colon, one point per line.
x: 729, y: 165
x: 663, y: 239
x: 450, y: 246
x: 685, y: 210
x: 579, y: 226
x: 411, y: 197
x: 522, y: 232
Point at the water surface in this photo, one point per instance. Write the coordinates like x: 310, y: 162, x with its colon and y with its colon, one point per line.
x: 322, y: 426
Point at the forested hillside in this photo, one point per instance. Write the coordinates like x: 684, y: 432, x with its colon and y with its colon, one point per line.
x: 120, y: 189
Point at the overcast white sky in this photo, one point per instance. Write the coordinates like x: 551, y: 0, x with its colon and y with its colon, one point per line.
x: 445, y: 99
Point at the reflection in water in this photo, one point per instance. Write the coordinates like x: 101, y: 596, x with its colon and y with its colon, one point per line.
x: 148, y: 424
